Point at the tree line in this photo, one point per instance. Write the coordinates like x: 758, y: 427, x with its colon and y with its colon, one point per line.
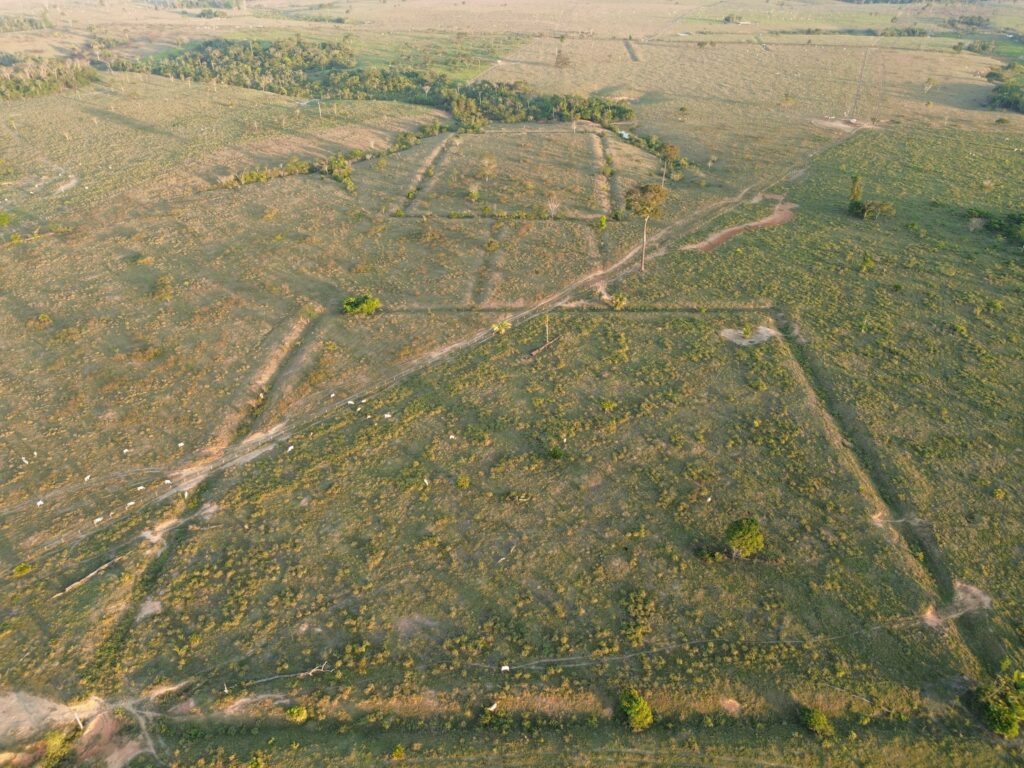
x: 38, y: 77
x: 295, y: 67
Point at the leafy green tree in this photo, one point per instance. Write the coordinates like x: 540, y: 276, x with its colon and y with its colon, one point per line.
x: 637, y: 710
x: 744, y: 537
x: 646, y: 201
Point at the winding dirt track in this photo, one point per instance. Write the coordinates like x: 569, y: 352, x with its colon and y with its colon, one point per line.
x: 783, y: 213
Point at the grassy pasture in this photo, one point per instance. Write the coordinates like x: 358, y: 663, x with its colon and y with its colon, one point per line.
x: 747, y: 110
x: 168, y: 312
x: 69, y: 152
x: 286, y: 573
x: 916, y: 322
x: 560, y: 513
x: 484, y: 172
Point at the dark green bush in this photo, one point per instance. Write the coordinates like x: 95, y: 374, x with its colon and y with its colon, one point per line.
x: 744, y: 537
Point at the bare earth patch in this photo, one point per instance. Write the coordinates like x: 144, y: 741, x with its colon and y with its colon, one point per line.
x: 731, y: 707
x: 760, y: 335
x: 966, y: 599
x: 149, y: 608
x: 23, y: 715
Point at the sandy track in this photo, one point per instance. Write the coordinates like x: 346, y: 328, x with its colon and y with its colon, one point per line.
x: 783, y: 213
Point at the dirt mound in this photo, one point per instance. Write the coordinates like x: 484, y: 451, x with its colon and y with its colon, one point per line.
x: 100, y: 744
x: 759, y: 335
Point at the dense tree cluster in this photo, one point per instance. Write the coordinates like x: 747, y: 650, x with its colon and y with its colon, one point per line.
x: 325, y: 70
x: 1009, y: 90
x: 38, y: 77
x: 293, y: 66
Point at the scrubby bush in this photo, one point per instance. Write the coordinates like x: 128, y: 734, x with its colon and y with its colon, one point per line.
x: 871, y: 210
x: 163, y: 289
x: 817, y: 722
x: 58, y: 752
x: 641, y: 610
x: 1001, y: 704
x: 1009, y: 90
x: 297, y: 714
x: 363, y: 304
x: 637, y: 711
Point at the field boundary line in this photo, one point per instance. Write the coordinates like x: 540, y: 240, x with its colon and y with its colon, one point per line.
x: 854, y: 442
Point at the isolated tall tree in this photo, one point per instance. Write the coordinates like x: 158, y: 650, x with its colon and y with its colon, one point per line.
x: 646, y: 201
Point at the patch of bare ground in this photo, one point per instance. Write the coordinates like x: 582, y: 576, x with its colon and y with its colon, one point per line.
x: 183, y: 708
x: 759, y: 335
x: 250, y: 705
x: 415, y: 624
x: 966, y: 599
x: 602, y: 187
x: 417, y: 705
x: 21, y: 759
x: 731, y: 707
x: 155, y: 535
x: 555, y: 702
x: 154, y: 693
x: 975, y: 223
x: 845, y: 126
x: 783, y: 213
x: 149, y: 607
x: 23, y: 715
x: 289, y: 374
x: 449, y: 148
x: 100, y: 743
x: 428, y: 163
x: 255, y: 390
